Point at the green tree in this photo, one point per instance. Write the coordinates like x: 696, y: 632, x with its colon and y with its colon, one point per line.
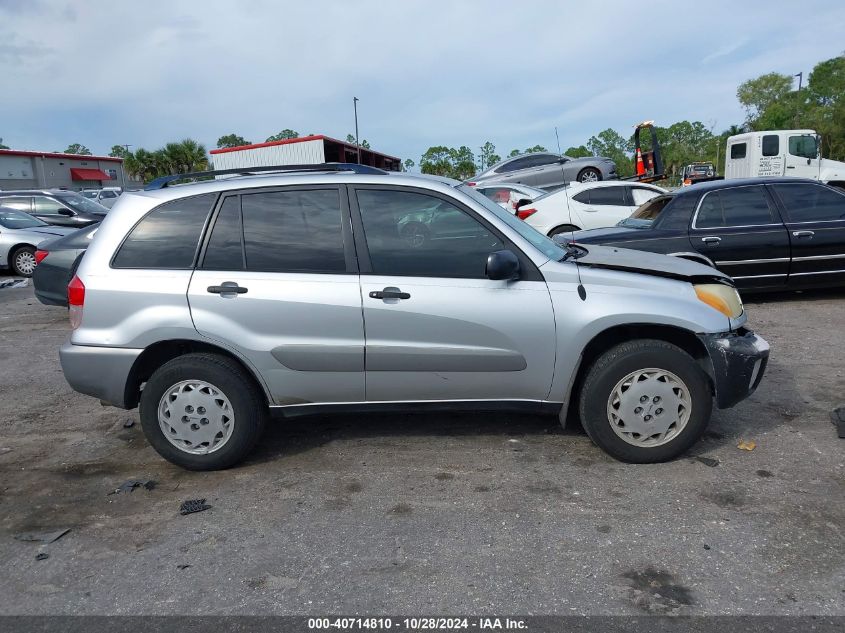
x: 535, y: 149
x: 351, y: 140
x: 409, y: 164
x: 488, y: 155
x: 756, y: 95
x: 232, y: 140
x: 119, y: 151
x: 611, y: 144
x: 514, y: 152
x: 1, y: 144
x: 436, y: 160
x: 463, y: 163
x: 578, y: 152
x: 77, y: 148
x: 283, y: 135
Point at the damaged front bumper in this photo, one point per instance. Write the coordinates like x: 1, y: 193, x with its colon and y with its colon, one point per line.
x: 739, y: 360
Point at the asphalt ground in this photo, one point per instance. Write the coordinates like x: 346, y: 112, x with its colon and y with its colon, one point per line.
x: 424, y: 513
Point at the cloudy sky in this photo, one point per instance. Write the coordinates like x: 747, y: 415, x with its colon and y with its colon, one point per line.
x: 427, y: 72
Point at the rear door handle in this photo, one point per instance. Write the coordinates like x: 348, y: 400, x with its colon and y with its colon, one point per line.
x: 803, y: 233
x: 711, y: 240
x: 790, y: 166
x: 227, y: 287
x: 389, y: 293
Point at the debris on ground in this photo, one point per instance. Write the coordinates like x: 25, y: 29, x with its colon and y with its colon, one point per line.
x: 707, y: 461
x: 182, y: 566
x: 837, y: 416
x: 750, y: 445
x: 14, y: 283
x: 129, y: 424
x: 706, y: 546
x: 42, y: 537
x: 42, y: 556
x: 131, y: 484
x: 193, y: 505
x: 4, y: 450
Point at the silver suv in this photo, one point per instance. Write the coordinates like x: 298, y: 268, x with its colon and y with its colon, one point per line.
x: 341, y: 287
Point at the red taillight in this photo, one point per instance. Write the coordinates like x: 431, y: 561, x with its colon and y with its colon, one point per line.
x: 523, y: 214
x: 75, y: 301
x: 39, y: 255
x: 471, y: 184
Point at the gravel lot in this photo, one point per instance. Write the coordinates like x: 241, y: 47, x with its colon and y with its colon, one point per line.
x: 435, y: 514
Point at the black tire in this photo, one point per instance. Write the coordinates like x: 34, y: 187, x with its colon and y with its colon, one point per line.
x: 248, y: 405
x: 614, y: 365
x: 566, y: 228
x: 589, y: 174
x: 15, y: 264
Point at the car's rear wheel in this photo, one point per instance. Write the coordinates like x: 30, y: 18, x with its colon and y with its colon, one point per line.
x: 23, y: 261
x: 589, y: 174
x: 202, y: 412
x: 645, y: 401
x: 566, y: 228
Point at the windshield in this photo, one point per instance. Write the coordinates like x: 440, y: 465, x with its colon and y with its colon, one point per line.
x: 92, y: 195
x: 12, y: 219
x: 537, y: 239
x: 646, y: 214
x: 78, y: 203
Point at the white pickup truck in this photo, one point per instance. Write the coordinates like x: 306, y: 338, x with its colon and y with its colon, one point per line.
x: 781, y: 153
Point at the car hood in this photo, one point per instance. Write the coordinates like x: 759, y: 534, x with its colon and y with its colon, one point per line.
x: 629, y: 260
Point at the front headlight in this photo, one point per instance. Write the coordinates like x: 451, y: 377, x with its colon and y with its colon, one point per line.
x: 723, y: 298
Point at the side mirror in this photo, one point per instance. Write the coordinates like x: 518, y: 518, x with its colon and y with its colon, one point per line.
x: 502, y: 265
x: 66, y: 212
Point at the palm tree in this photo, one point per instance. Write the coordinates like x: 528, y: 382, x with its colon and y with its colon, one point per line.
x: 185, y: 156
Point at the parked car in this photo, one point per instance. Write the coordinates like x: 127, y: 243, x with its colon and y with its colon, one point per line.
x: 508, y: 196
x: 698, y: 172
x: 61, y: 208
x: 106, y: 196
x: 586, y: 206
x: 20, y: 236
x: 547, y: 171
x: 58, y: 259
x: 767, y: 234
x: 212, y: 304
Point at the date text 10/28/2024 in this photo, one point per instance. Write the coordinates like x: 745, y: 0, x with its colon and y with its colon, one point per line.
x: 418, y: 624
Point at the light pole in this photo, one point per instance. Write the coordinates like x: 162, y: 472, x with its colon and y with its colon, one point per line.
x: 357, y: 144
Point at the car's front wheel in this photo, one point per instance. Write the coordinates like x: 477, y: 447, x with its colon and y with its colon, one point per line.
x: 202, y: 412
x: 645, y: 401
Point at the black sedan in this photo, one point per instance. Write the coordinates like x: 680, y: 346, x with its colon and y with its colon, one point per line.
x: 766, y: 233
x: 58, y: 260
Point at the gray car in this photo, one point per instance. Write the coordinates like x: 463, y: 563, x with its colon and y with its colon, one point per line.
x: 548, y: 171
x: 216, y: 304
x: 20, y: 235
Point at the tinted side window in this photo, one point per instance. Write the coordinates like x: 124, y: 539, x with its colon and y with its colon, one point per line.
x: 583, y: 197
x: 771, y: 145
x: 738, y: 150
x: 811, y: 203
x: 225, y: 246
x: 542, y: 159
x: 745, y: 206
x: 168, y: 236
x: 47, y: 206
x: 293, y: 231
x: 514, y: 165
x: 423, y: 236
x: 676, y: 214
x: 608, y: 196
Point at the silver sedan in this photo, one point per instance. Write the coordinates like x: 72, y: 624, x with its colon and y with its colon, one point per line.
x: 20, y: 235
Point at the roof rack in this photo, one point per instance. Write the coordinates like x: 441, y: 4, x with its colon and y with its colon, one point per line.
x: 164, y: 181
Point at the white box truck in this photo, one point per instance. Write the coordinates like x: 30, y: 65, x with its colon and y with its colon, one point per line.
x: 781, y: 153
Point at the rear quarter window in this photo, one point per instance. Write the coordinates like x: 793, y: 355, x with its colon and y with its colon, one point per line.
x: 168, y: 236
x: 677, y: 214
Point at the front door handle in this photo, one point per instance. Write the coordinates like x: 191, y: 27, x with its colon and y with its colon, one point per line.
x: 803, y: 233
x: 227, y: 287
x: 389, y: 293
x: 711, y: 240
x: 790, y: 166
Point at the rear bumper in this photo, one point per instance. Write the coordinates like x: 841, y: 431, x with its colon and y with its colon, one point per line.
x: 100, y: 372
x: 739, y: 361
